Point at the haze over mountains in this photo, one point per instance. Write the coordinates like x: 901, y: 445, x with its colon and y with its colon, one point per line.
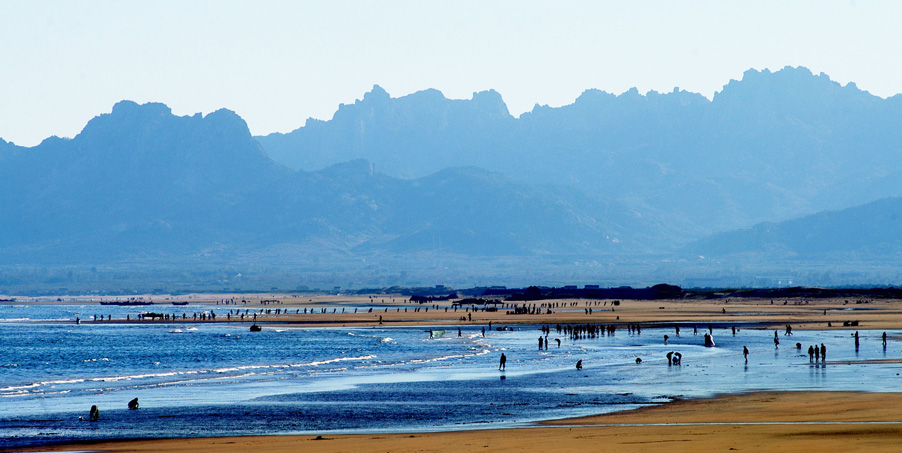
x: 629, y: 188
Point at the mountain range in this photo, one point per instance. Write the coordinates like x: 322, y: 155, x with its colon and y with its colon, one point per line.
x: 769, y: 147
x: 783, y: 165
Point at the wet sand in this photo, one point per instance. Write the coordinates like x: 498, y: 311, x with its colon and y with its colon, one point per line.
x: 793, y: 421
x: 766, y: 421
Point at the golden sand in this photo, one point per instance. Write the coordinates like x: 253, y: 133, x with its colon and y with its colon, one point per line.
x: 767, y: 421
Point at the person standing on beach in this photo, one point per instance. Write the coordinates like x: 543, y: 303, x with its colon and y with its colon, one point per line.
x: 540, y: 342
x: 776, y: 340
x: 856, y: 339
x: 501, y: 365
x: 823, y: 352
x: 810, y: 353
x: 745, y: 354
x: 884, y: 340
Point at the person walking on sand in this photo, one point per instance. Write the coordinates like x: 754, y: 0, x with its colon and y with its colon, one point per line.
x: 884, y: 339
x: 503, y: 362
x: 776, y: 340
x: 745, y: 353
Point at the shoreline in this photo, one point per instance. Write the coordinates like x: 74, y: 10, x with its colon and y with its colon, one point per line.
x: 758, y: 421
x: 802, y: 314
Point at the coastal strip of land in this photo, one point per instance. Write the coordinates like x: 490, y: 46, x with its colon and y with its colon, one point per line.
x: 394, y: 310
x: 764, y: 421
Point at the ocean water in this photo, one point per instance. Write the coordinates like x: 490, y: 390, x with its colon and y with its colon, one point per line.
x: 205, y: 379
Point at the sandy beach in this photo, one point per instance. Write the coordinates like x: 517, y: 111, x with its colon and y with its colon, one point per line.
x: 873, y: 314
x: 792, y: 421
x: 767, y: 421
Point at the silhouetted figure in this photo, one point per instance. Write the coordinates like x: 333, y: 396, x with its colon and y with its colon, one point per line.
x: 94, y: 415
x: 709, y: 340
x: 823, y: 352
x: 776, y: 340
x: 788, y: 330
x: 745, y: 354
x: 856, y: 339
x: 541, y: 341
x: 734, y: 330
x: 677, y: 358
x: 666, y: 338
x: 670, y: 358
x: 503, y: 362
x: 558, y: 340
x: 884, y: 339
x: 579, y: 364
x: 817, y: 354
x: 810, y: 353
x: 133, y: 404
x: 638, y: 360
x: 459, y: 333
x: 799, y: 346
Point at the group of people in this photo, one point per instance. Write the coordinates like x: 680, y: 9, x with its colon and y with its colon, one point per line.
x: 816, y: 353
x: 94, y: 413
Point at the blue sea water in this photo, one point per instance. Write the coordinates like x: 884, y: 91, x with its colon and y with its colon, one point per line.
x: 214, y: 379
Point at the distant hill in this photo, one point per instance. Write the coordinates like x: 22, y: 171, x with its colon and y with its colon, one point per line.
x: 766, y: 148
x: 142, y: 185
x: 609, y: 188
x: 870, y: 231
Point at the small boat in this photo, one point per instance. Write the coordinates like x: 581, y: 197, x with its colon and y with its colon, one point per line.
x: 256, y: 328
x: 180, y: 303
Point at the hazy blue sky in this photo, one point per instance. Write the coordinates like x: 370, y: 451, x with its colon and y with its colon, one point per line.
x: 277, y: 63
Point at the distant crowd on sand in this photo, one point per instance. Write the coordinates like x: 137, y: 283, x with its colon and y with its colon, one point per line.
x: 816, y: 353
